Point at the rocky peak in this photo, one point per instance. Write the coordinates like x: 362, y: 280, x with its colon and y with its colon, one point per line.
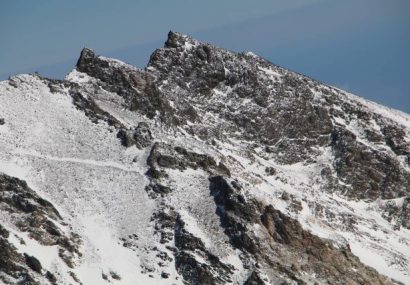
x: 176, y: 40
x: 85, y: 57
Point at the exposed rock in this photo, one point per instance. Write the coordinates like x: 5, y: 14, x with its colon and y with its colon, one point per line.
x: 51, y: 277
x: 140, y: 136
x: 164, y: 275
x: 394, y: 137
x: 399, y: 213
x: 327, y: 262
x: 92, y: 110
x: 193, y: 271
x: 371, y: 174
x: 254, y: 279
x: 136, y: 86
x: 36, y: 216
x: 115, y: 276
x: 270, y: 170
x: 12, y: 266
x: 165, y: 156
x: 3, y: 232
x: 33, y: 263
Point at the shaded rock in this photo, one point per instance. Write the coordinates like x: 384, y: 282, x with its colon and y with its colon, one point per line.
x: 254, y: 279
x: 165, y: 275
x: 394, y: 137
x: 234, y: 213
x: 11, y: 260
x: 142, y: 135
x: 37, y: 217
x: 135, y: 86
x: 139, y: 136
x: 92, y: 110
x: 3, y: 232
x: 115, y: 275
x: 51, y: 277
x: 270, y: 170
x: 214, y: 271
x: 33, y: 263
x: 399, y: 213
x: 372, y: 174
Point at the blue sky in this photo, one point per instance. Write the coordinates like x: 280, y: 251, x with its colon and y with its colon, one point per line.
x: 362, y: 46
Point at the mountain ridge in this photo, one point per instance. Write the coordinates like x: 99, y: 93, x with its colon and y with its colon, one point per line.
x: 246, y: 173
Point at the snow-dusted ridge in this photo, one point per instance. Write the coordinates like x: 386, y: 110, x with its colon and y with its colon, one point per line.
x: 207, y: 167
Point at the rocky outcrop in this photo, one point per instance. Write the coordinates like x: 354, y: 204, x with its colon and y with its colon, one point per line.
x: 397, y: 212
x: 195, y: 272
x: 164, y: 156
x: 82, y: 101
x: 140, y: 136
x: 372, y: 174
x: 136, y: 86
x: 12, y: 264
x: 92, y: 110
x: 295, y: 247
x: 36, y: 216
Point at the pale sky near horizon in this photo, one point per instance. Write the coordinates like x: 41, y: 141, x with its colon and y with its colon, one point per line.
x: 362, y: 46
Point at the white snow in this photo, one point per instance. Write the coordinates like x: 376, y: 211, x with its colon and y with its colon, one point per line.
x: 84, y: 171
x: 78, y: 77
x: 271, y: 72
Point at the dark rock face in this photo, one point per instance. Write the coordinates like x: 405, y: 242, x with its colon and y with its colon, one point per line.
x: 169, y: 227
x: 394, y: 137
x: 36, y: 216
x: 11, y: 264
x: 51, y: 277
x: 136, y: 86
x: 140, y: 136
x: 235, y: 214
x: 371, y: 173
x: 82, y: 101
x: 287, y: 237
x: 92, y: 110
x: 164, y: 156
x: 33, y: 263
x: 16, y: 194
x: 400, y: 214
x: 254, y: 279
x: 194, y: 272
x: 2, y: 122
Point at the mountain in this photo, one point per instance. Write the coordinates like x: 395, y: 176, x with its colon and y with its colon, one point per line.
x: 205, y: 167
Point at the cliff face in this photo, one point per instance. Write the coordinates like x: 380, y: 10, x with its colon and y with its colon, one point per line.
x: 206, y: 167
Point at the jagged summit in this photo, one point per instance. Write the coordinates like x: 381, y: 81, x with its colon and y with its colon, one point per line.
x: 85, y: 56
x: 176, y: 39
x: 206, y: 167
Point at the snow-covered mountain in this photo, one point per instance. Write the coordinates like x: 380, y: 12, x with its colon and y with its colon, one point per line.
x: 206, y: 167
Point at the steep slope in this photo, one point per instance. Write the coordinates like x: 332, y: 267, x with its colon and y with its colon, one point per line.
x: 206, y: 167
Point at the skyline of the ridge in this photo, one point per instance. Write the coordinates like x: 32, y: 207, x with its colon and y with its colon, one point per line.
x: 360, y: 46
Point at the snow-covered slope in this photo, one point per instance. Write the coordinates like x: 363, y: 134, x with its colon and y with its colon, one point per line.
x: 207, y: 167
